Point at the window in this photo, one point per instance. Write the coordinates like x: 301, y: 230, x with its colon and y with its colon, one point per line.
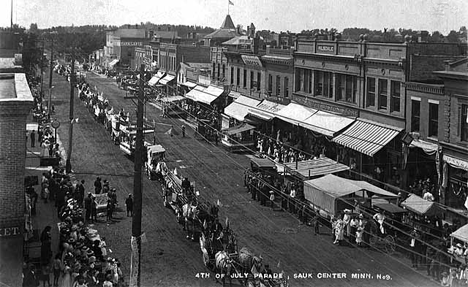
x: 324, y: 84
x: 270, y: 83
x: 232, y: 75
x: 219, y: 68
x: 301, y: 80
x: 347, y: 88
x: 370, y: 102
x: 464, y: 123
x: 214, y: 70
x: 251, y: 79
x: 286, y: 87
x: 259, y: 79
x: 244, y: 79
x: 307, y: 75
x: 395, y: 97
x: 238, y: 77
x: 383, y: 94
x: 433, y: 119
x: 224, y: 72
x: 278, y: 85
x: 415, y: 115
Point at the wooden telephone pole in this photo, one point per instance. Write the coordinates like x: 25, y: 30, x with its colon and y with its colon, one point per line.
x: 72, y: 106
x: 135, y: 268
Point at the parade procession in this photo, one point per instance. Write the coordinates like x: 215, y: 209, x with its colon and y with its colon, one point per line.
x: 158, y: 154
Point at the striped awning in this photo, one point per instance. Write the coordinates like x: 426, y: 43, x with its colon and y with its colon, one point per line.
x: 367, y: 137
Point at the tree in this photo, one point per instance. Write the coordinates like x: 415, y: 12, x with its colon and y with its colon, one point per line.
x: 453, y: 37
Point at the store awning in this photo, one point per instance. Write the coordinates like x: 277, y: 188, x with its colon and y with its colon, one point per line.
x: 156, y: 78
x: 427, y: 147
x: 266, y: 110
x: 461, y: 233
x: 240, y: 107
x: 113, y: 62
x: 421, y: 206
x: 367, y: 137
x: 189, y: 84
x: 204, y: 95
x: 316, y: 167
x: 235, y: 95
x: 326, y: 123
x: 295, y: 113
x: 389, y: 207
x: 172, y: 99
x: 32, y: 127
x: 456, y: 162
x: 166, y: 79
x: 238, y: 129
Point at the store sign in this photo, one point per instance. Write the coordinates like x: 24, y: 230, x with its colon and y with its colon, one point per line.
x: 10, y: 231
x: 252, y: 61
x: 325, y: 48
x: 131, y: 44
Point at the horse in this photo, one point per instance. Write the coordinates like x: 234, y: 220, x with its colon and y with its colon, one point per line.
x: 223, y: 266
x: 249, y: 263
x: 190, y: 214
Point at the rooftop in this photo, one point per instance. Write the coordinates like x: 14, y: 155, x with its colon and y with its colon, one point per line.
x: 14, y: 87
x: 7, y: 86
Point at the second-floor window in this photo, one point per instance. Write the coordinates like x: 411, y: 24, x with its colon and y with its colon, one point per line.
x: 347, y: 88
x: 433, y: 119
x: 238, y: 77
x: 370, y: 100
x: 383, y: 94
x: 245, y: 79
x: 286, y: 87
x: 270, y: 83
x: 278, y: 85
x: 251, y: 79
x: 464, y: 123
x: 395, y: 97
x: 259, y: 80
x: 232, y: 75
x: 324, y: 84
x: 415, y: 115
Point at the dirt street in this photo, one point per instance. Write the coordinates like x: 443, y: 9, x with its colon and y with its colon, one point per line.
x: 169, y: 259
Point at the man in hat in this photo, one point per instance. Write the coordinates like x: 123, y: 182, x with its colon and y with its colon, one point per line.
x: 183, y: 131
x: 87, y: 204
x: 415, y: 247
x: 97, y: 185
x: 105, y: 186
x: 33, y: 138
x: 129, y: 205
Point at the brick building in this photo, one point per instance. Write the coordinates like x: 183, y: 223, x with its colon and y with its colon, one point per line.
x: 15, y: 104
x: 367, y: 82
x: 437, y: 121
x: 121, y: 44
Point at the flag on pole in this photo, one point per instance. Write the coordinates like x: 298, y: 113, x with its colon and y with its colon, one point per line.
x: 231, y: 3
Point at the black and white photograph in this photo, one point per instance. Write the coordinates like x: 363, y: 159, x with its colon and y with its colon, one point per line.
x: 240, y: 143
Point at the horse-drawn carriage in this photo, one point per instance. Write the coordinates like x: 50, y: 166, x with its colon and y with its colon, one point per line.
x: 154, y: 155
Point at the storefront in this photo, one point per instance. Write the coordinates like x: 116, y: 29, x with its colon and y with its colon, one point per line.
x: 373, y: 150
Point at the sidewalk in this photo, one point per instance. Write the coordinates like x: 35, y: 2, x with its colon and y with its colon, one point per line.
x: 46, y: 213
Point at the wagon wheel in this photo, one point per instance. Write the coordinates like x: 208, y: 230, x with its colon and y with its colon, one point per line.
x: 390, y: 245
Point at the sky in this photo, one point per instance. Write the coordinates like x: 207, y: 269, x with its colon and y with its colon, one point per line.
x: 275, y: 15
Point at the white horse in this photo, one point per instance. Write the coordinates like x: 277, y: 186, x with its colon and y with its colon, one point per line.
x: 190, y: 214
x: 224, y: 266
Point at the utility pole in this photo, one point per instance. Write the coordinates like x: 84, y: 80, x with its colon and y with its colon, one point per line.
x: 72, y: 101
x: 50, y: 75
x: 135, y: 269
